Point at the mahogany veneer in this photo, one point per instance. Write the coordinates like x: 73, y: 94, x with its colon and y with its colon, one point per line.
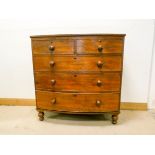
x: 78, y: 74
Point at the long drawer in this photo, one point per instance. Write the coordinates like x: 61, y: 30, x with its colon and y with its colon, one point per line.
x: 76, y: 82
x: 98, y: 102
x: 77, y: 63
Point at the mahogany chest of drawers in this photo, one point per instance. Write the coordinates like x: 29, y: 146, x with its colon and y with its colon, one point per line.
x: 78, y: 73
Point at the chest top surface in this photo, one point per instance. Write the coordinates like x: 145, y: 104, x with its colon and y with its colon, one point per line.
x: 77, y: 35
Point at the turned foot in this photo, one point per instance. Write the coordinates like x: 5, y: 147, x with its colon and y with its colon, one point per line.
x: 114, y: 118
x: 41, y: 115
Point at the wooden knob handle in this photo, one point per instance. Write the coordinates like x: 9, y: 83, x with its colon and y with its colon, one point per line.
x: 51, y: 47
x: 52, y: 63
x: 100, y: 64
x: 98, y: 103
x: 53, y: 101
x: 100, y: 48
x: 53, y: 82
x: 99, y: 83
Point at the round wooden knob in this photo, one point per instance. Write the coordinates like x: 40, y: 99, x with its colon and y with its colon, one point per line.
x: 53, y: 82
x: 51, y: 47
x: 99, y: 83
x: 98, y: 103
x: 52, y: 63
x: 100, y: 64
x: 100, y: 48
x: 53, y: 101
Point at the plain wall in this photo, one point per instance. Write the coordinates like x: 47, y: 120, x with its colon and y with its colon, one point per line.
x: 16, y: 72
x: 151, y: 95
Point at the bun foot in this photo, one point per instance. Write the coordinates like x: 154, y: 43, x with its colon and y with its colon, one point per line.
x: 41, y: 115
x: 114, y: 118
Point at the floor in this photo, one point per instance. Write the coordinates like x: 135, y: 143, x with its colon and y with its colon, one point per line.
x: 24, y: 120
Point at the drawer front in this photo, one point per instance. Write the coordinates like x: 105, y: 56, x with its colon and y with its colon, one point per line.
x: 106, y: 63
x: 104, y: 102
x: 90, y: 46
x: 65, y: 46
x: 77, y: 82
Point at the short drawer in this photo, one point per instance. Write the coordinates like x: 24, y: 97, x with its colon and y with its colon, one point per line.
x: 92, y: 46
x: 81, y: 63
x: 103, y: 102
x: 59, y: 46
x: 76, y: 82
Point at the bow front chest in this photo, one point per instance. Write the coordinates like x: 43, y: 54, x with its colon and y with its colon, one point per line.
x: 78, y: 74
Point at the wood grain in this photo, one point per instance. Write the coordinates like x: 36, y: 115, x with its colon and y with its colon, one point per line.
x: 60, y: 46
x: 79, y: 35
x: 78, y: 82
x: 77, y: 63
x: 78, y: 102
x: 78, y: 73
x: 91, y: 46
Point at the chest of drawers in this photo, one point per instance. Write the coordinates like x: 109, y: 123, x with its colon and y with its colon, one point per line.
x: 78, y: 74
